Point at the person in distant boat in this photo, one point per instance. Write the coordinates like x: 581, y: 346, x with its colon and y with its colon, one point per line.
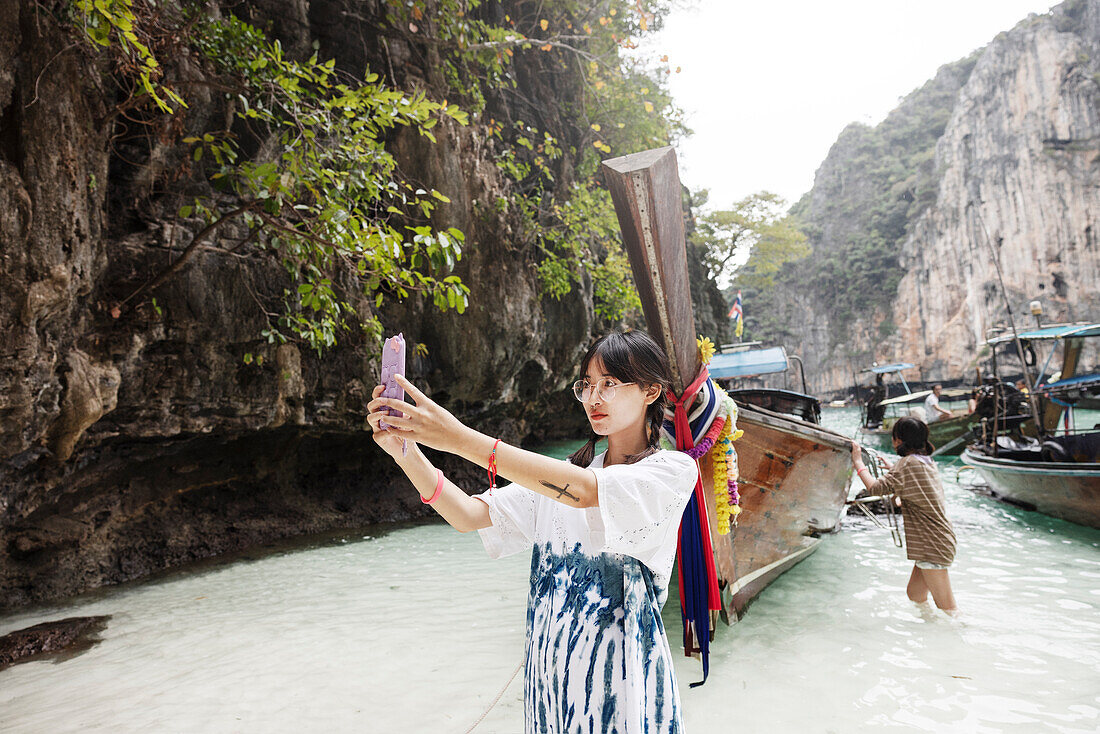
x: 603, y: 528
x: 875, y: 409
x: 915, y: 484
x: 932, y: 410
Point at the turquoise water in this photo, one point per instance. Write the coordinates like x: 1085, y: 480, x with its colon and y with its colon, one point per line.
x: 413, y: 629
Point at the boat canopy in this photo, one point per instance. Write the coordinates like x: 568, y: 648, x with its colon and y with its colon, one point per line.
x: 897, y: 367
x: 726, y: 365
x: 1079, y: 381
x: 949, y: 394
x: 1082, y: 391
x: 1057, y: 331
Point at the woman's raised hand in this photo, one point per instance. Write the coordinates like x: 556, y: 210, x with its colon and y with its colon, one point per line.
x: 392, y: 441
x: 857, y: 453
x: 423, y: 421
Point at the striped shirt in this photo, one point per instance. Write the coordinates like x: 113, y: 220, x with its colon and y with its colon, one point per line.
x: 929, y: 535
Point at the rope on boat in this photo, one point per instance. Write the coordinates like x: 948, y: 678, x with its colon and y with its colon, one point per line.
x: 891, y: 516
x: 960, y: 470
x: 495, y: 700
x: 888, y: 500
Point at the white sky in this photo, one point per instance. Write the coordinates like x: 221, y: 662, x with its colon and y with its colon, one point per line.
x: 768, y: 86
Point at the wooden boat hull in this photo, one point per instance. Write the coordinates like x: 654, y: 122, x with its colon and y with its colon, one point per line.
x: 1069, y: 491
x: 794, y: 479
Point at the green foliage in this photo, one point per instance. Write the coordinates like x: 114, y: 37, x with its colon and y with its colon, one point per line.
x: 584, y: 227
x: 301, y: 160
x: 324, y: 190
x: 615, y: 293
x: 622, y: 105
x: 331, y: 191
x: 758, y: 225
x: 114, y: 22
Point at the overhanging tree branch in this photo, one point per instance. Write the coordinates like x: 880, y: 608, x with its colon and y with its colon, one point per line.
x: 206, y: 233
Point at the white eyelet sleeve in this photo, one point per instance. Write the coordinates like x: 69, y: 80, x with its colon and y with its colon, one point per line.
x: 513, y: 511
x: 640, y: 506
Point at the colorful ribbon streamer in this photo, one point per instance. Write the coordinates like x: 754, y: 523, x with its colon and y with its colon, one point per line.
x: 698, y: 576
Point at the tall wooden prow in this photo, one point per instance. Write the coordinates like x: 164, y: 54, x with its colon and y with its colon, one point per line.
x: 648, y: 200
x: 794, y: 474
x: 646, y: 190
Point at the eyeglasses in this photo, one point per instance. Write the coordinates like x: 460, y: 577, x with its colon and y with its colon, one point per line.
x: 605, y: 389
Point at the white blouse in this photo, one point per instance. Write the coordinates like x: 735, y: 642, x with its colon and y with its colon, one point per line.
x: 597, y: 656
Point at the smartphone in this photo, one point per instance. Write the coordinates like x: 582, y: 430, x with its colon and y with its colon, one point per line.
x: 393, y: 364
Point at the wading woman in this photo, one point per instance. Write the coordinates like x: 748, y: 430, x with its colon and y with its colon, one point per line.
x: 915, y: 483
x: 603, y: 530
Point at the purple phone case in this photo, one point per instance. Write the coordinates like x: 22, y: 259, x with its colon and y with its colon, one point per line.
x: 393, y: 364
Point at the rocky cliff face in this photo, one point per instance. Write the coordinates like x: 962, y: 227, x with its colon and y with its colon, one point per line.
x: 1016, y: 137
x: 141, y: 442
x: 1021, y: 168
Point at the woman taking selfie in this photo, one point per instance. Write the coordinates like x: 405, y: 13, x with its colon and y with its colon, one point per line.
x: 602, y: 529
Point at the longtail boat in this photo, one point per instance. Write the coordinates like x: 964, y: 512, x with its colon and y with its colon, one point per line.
x: 949, y: 434
x: 1055, y: 470
x: 793, y: 474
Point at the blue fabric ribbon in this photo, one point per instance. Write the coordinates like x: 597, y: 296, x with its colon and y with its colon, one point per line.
x: 694, y: 605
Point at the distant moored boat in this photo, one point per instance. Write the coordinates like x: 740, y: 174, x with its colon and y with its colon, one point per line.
x: 1056, y: 470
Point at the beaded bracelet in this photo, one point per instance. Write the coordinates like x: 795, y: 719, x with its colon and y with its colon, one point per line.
x: 493, y: 468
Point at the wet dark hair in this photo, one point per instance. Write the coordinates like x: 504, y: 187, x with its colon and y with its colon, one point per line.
x: 913, y: 434
x: 632, y: 356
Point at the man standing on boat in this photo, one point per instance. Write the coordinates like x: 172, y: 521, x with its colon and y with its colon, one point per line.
x: 932, y: 410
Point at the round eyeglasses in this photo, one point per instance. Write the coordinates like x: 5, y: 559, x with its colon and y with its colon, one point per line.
x: 605, y: 389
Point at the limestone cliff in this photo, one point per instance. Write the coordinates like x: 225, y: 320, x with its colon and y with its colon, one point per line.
x: 135, y: 443
x: 1002, y: 145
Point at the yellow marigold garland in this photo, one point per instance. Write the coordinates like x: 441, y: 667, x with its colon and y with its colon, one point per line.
x: 721, y: 481
x: 724, y: 463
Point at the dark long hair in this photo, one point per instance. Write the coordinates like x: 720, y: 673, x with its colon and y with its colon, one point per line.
x: 913, y: 434
x: 632, y: 356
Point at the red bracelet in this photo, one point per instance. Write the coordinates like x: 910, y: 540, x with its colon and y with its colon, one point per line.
x: 438, y: 488
x: 493, y: 468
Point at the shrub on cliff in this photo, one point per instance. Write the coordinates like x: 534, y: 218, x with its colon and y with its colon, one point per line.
x: 299, y: 164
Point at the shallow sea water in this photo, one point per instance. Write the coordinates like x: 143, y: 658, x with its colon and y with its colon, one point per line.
x: 414, y: 629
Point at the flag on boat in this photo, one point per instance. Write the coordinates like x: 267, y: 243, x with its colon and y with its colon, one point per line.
x: 738, y: 315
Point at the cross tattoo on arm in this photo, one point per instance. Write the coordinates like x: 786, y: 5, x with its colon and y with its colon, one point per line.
x: 561, y: 491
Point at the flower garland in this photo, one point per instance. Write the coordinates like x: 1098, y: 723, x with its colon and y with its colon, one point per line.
x: 721, y: 483
x: 724, y: 461
x: 708, y: 440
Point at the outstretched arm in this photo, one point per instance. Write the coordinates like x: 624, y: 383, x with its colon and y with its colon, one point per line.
x: 427, y: 423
